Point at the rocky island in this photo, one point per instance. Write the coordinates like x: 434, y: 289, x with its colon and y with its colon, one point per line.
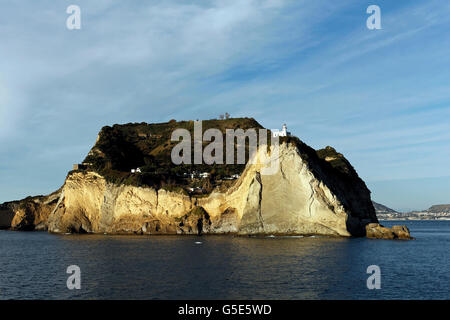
x: 128, y: 184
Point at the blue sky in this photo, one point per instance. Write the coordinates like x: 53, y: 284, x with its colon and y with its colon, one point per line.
x: 381, y: 97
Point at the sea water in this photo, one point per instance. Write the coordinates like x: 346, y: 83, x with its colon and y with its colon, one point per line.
x: 33, y: 265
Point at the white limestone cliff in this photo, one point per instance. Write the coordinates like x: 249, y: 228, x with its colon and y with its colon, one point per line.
x: 299, y: 198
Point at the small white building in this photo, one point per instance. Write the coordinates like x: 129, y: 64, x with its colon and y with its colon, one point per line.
x: 281, y: 133
x: 196, y: 174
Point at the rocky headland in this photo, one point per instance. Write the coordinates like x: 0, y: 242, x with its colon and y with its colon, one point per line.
x: 311, y: 193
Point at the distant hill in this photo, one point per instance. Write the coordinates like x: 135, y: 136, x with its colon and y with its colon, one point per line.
x: 439, y: 208
x: 436, y: 212
x: 379, y: 208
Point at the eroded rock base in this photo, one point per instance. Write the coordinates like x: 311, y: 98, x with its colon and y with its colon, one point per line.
x: 377, y: 231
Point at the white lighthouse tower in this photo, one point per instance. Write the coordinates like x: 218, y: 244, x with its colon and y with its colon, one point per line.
x: 284, y: 130
x: 281, y: 133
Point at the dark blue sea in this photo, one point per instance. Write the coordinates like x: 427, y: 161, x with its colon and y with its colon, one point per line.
x: 33, y: 266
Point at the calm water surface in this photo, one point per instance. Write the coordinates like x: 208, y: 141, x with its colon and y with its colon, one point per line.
x: 33, y: 266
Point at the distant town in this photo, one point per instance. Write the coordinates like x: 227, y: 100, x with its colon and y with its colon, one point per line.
x: 436, y: 212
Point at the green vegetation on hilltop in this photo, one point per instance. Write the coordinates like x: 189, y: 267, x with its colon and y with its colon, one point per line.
x: 121, y: 148
x: 337, y: 160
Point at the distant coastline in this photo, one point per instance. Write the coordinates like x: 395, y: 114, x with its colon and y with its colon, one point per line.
x: 436, y: 212
x: 413, y: 218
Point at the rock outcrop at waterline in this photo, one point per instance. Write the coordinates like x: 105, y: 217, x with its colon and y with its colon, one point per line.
x: 377, y: 231
x: 312, y: 192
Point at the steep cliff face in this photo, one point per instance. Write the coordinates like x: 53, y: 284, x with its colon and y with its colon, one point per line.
x: 306, y: 195
x: 28, y: 214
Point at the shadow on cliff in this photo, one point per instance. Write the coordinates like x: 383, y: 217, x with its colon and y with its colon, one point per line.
x: 336, y: 172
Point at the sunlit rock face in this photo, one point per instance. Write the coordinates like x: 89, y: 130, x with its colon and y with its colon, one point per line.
x: 377, y: 231
x: 305, y: 195
x: 28, y: 214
